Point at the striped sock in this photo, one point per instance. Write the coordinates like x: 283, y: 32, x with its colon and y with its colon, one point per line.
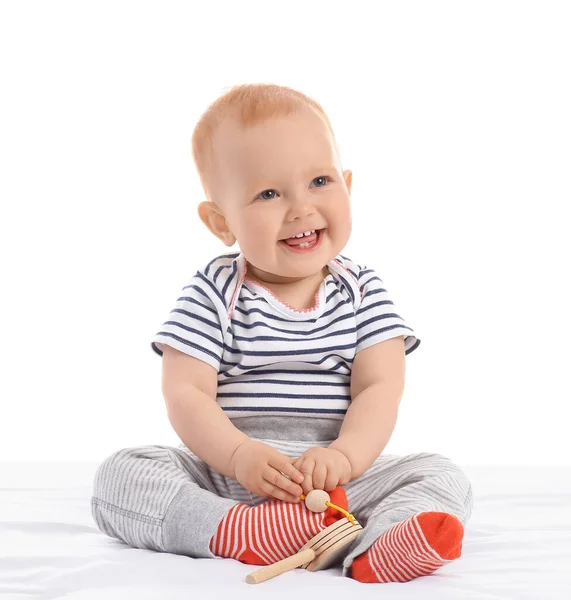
x: 273, y: 530
x: 415, y: 547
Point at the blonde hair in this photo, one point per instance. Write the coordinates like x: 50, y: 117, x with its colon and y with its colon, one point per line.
x: 249, y: 104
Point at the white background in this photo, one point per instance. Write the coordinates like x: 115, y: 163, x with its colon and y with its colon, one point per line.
x: 453, y: 116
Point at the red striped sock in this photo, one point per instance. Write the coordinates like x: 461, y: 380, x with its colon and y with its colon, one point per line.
x: 418, y: 546
x: 273, y: 530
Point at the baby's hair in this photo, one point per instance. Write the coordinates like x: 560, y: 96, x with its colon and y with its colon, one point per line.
x: 249, y: 104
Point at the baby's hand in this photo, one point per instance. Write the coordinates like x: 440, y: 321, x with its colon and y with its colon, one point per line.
x: 323, y: 469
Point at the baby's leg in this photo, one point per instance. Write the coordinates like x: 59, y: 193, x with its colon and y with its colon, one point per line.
x: 414, y: 508
x: 158, y: 498
x: 272, y: 530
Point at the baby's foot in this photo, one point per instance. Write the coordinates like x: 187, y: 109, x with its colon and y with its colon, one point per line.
x: 418, y: 546
x: 273, y: 530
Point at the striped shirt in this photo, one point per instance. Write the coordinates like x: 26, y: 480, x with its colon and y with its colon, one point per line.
x: 271, y: 358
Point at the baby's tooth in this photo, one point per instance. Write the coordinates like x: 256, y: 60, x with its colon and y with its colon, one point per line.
x: 300, y: 235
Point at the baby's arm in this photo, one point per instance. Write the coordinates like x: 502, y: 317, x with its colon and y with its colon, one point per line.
x: 377, y: 385
x: 189, y: 387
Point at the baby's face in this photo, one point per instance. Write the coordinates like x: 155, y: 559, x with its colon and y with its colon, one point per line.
x: 278, y: 179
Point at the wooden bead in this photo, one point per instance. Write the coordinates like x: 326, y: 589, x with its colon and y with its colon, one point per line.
x: 316, y: 500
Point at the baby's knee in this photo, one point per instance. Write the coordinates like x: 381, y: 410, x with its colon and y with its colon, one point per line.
x: 438, y: 465
x: 449, y: 471
x: 110, y: 469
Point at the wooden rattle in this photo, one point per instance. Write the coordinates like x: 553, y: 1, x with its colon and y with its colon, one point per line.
x: 323, y: 549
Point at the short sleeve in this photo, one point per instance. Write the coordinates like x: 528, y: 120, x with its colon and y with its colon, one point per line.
x: 377, y: 317
x: 194, y: 326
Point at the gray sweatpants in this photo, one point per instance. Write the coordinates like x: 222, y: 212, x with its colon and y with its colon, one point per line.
x: 166, y: 499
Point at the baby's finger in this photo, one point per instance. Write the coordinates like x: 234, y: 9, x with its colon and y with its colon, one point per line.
x: 332, y: 480
x: 276, y: 492
x: 281, y: 481
x: 286, y: 468
x: 299, y: 465
x: 319, y: 475
x: 307, y: 469
x: 345, y: 476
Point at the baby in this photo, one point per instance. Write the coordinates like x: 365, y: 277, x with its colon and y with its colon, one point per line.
x: 283, y: 369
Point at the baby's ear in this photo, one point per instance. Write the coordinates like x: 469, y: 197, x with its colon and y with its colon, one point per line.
x: 348, y: 176
x: 211, y: 216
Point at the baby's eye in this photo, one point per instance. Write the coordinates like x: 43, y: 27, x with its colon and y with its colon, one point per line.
x: 264, y: 193
x: 322, y: 177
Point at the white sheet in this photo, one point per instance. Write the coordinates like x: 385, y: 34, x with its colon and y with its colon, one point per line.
x: 517, y: 546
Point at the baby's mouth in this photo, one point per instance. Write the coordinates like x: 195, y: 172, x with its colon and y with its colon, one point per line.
x: 297, y: 241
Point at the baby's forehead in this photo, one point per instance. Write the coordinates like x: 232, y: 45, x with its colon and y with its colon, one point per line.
x: 305, y: 138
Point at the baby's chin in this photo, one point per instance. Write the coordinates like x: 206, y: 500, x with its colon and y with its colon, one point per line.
x: 280, y: 271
